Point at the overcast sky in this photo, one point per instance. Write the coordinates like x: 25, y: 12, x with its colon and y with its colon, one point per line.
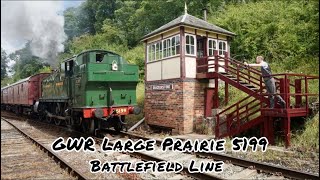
x: 67, y: 4
x: 27, y: 20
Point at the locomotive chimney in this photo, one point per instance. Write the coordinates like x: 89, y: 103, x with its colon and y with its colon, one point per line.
x: 204, y: 14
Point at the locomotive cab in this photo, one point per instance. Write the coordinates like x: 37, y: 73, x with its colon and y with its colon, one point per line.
x: 97, y: 88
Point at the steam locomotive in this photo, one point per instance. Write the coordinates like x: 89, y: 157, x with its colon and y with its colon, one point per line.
x: 93, y: 90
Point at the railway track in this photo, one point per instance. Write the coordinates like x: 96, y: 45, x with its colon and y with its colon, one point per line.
x: 247, y: 169
x: 23, y: 157
x: 234, y: 168
x: 47, y: 133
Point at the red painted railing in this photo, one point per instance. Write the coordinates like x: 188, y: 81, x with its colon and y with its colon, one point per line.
x: 247, y: 113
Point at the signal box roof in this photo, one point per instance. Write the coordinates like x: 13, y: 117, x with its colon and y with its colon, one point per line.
x: 192, y: 21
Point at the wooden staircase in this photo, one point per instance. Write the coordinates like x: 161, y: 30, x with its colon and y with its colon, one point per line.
x: 252, y: 111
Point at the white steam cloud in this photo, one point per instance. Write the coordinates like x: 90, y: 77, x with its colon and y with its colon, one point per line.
x: 35, y: 21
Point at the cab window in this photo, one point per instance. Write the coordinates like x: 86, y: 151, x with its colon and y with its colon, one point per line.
x: 99, y: 57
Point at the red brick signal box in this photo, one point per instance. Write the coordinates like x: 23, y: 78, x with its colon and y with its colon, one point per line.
x: 174, y: 98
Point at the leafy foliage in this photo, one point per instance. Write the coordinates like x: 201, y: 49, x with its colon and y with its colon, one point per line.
x: 285, y: 32
x: 3, y: 64
x: 26, y: 64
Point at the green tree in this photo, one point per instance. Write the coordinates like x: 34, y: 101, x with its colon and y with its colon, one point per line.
x: 285, y: 32
x: 26, y: 64
x: 4, y: 64
x: 71, y: 25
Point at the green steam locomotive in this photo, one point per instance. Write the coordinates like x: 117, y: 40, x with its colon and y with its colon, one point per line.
x: 93, y: 90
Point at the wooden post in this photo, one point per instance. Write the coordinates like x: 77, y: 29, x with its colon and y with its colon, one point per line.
x: 306, y: 92
x: 271, y: 130
x: 226, y: 93
x: 226, y: 87
x: 266, y: 128
x: 261, y: 129
x: 208, y: 101
x: 216, y: 61
x: 287, y: 93
x: 216, y: 94
x: 282, y: 90
x: 298, y: 98
x: 287, y: 131
x: 238, y: 120
x: 216, y: 82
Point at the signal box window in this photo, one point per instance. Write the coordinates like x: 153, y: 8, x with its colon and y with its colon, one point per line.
x: 222, y: 47
x: 212, y: 45
x: 190, y: 45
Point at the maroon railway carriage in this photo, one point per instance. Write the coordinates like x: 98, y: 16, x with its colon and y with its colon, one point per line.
x: 21, y: 96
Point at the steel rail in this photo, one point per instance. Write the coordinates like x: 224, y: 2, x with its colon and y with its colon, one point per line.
x: 63, y: 164
x: 147, y: 157
x: 286, y: 172
x: 143, y: 156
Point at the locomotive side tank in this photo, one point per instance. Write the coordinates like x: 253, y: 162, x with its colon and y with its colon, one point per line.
x: 95, y: 89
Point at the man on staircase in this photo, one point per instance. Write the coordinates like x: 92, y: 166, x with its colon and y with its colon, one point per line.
x: 268, y: 81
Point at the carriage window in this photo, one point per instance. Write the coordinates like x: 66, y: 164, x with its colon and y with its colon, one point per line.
x: 212, y: 46
x: 222, y: 47
x: 21, y: 87
x: 190, y: 45
x: 99, y: 57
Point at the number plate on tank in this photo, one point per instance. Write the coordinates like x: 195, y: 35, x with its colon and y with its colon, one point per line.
x: 121, y: 110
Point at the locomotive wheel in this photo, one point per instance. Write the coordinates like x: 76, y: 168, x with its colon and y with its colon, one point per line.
x: 41, y: 117
x: 57, y: 121
x: 48, y: 119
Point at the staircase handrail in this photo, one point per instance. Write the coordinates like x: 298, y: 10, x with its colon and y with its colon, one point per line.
x: 248, y: 109
x: 237, y: 109
x: 240, y: 101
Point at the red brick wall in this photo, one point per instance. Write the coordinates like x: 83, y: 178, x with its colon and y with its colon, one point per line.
x: 178, y: 108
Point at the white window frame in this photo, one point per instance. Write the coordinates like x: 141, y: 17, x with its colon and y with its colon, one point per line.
x: 213, y: 49
x: 174, y: 47
x: 163, y: 53
x: 194, y: 45
x: 223, y: 50
x: 167, y: 42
